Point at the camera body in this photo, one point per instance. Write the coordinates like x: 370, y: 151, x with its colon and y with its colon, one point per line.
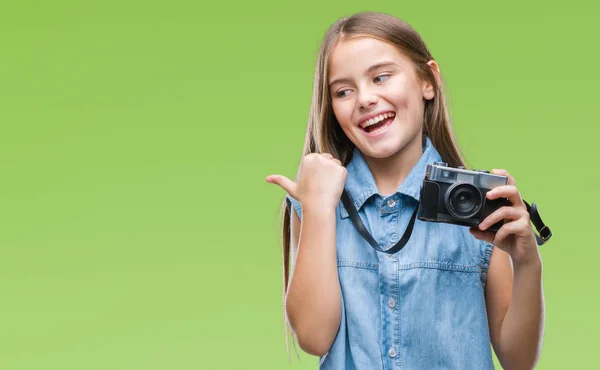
x: 458, y: 196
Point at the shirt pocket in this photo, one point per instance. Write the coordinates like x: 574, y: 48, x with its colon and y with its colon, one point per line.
x: 352, y: 250
x: 450, y: 249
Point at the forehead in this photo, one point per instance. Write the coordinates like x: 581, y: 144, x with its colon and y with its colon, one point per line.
x: 355, y: 55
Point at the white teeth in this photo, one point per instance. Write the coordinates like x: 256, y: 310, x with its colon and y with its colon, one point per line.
x: 375, y: 120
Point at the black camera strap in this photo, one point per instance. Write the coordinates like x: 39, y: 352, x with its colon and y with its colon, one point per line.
x: 542, y: 229
x: 356, y: 220
x: 534, y: 215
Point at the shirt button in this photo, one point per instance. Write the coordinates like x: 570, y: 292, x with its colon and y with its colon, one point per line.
x: 391, y: 203
x: 392, y: 352
x: 392, y: 303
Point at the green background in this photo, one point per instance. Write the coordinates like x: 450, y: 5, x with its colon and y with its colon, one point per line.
x: 137, y: 229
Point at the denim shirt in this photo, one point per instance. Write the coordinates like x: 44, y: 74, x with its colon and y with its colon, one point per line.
x: 420, y: 308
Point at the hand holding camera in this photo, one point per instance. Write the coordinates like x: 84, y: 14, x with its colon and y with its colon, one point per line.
x: 489, y: 203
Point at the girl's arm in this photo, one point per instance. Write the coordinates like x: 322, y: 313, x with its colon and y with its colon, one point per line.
x: 515, y: 304
x: 514, y: 295
x: 313, y: 300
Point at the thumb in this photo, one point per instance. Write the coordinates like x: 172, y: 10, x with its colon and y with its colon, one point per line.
x: 285, y: 183
x: 486, y: 236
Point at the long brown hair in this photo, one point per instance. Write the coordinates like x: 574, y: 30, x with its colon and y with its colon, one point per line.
x: 324, y: 134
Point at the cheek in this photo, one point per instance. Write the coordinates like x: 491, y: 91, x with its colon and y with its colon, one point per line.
x: 343, y: 113
x: 409, y: 105
x: 400, y: 97
x: 404, y: 93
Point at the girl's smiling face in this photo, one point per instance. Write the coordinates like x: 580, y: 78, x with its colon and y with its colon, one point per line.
x: 376, y: 95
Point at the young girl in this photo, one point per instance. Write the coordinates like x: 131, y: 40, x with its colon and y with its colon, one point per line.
x: 378, y: 117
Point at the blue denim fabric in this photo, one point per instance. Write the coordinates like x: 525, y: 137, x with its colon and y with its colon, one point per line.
x: 421, y: 308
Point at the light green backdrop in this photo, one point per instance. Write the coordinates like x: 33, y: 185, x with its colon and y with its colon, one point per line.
x: 137, y: 232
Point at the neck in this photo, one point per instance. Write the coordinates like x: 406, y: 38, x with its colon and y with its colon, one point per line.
x: 390, y: 172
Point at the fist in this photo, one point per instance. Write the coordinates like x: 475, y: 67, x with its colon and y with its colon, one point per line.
x: 319, y: 183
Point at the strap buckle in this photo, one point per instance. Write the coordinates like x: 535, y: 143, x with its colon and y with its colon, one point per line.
x: 545, y: 233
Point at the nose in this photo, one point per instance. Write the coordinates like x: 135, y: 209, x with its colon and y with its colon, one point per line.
x: 367, y: 98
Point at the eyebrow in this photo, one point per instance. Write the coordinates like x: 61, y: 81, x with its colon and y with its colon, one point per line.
x: 369, y: 70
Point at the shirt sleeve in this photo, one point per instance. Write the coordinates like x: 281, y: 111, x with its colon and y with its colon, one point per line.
x: 295, y: 205
x: 486, y: 251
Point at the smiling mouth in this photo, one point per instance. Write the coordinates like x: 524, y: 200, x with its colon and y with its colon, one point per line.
x: 377, y: 122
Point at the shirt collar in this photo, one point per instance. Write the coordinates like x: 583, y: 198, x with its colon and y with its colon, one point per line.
x: 360, y: 183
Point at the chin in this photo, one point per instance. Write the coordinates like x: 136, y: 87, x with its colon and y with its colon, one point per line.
x: 382, y: 151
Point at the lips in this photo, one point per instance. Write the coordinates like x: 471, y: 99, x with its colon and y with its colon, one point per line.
x: 376, y: 121
x: 378, y: 125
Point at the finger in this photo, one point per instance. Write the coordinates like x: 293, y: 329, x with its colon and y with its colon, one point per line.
x: 286, y: 184
x: 506, y: 191
x: 487, y: 236
x: 330, y: 156
x: 518, y: 227
x: 511, y: 180
x: 503, y: 213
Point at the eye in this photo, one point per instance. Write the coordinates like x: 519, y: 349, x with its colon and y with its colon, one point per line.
x: 381, y: 78
x: 340, y: 93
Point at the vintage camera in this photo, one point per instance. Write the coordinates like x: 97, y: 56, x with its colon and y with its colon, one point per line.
x: 458, y: 196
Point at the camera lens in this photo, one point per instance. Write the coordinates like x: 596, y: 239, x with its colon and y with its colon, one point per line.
x: 463, y: 200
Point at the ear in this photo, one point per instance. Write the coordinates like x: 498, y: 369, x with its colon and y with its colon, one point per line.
x: 427, y: 87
